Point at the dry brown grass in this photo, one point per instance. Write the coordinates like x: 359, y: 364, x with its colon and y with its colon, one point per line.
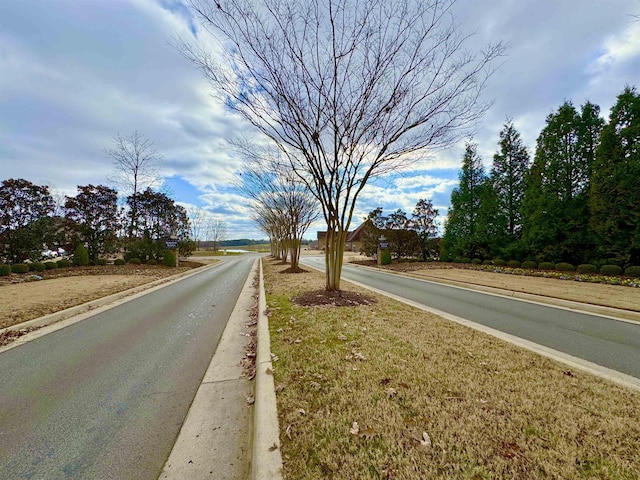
x: 490, y: 409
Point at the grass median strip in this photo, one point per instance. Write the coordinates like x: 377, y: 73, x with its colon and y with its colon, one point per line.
x: 386, y: 390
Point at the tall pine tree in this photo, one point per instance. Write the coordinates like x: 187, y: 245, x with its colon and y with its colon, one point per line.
x: 615, y: 186
x: 508, y: 173
x: 463, y: 237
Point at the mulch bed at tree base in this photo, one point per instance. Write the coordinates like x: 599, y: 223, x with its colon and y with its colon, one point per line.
x: 340, y: 298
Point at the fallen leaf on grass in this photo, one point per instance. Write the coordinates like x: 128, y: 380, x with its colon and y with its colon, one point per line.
x: 273, y: 447
x: 385, y: 381
x: 342, y: 337
x: 268, y: 371
x: 391, y: 392
x: 301, y: 411
x: 315, y: 385
x: 288, y: 431
x: 355, y: 429
x: 297, y: 341
x: 279, y: 387
x: 568, y: 373
x: 425, y: 443
x: 274, y: 358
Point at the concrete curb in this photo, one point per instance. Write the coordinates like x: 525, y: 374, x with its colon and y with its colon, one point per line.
x: 215, y: 440
x: 266, y: 461
x: 92, y: 305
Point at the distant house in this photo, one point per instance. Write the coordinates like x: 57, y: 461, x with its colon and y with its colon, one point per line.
x: 354, y: 240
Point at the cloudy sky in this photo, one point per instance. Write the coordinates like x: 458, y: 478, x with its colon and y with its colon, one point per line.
x: 74, y: 73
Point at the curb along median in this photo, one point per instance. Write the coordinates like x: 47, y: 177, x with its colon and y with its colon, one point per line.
x: 266, y: 460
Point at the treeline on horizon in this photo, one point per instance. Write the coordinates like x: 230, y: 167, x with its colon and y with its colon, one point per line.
x: 578, y: 201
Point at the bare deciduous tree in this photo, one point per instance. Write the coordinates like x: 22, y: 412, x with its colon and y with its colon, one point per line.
x: 346, y: 89
x: 136, y: 162
x: 216, y: 231
x: 197, y: 219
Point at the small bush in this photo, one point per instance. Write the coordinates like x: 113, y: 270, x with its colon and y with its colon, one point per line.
x: 63, y: 263
x: 5, y: 270
x: 135, y: 261
x: 466, y: 260
x: 498, y: 262
x: 19, y: 268
x: 633, y: 271
x: 488, y: 262
x: 119, y: 261
x: 513, y: 264
x: 529, y: 264
x: 81, y: 256
x: 565, y: 267
x: 36, y: 267
x: 586, y: 268
x: 50, y: 265
x: 476, y: 261
x: 611, y: 270
x: 546, y: 266
x: 169, y: 259
x: 457, y: 260
x: 152, y: 262
x: 101, y: 261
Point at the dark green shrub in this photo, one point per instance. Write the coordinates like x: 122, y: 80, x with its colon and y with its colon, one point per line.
x: 565, y: 267
x: 152, y: 262
x: 513, y: 264
x: 36, y: 267
x: 169, y: 259
x: 466, y: 260
x: 81, y: 256
x: 633, y: 271
x: 529, y: 264
x: 586, y: 268
x: 50, y: 265
x: 487, y: 262
x: 19, y: 268
x: 476, y: 261
x: 457, y: 260
x: 135, y: 261
x: 101, y: 261
x: 611, y: 270
x: 64, y: 263
x: 498, y: 262
x: 546, y: 266
x: 119, y: 261
x: 5, y: 270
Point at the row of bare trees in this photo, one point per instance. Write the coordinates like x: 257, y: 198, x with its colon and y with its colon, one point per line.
x: 283, y: 207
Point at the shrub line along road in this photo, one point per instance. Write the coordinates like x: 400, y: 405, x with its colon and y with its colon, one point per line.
x: 601, y: 340
x: 106, y: 397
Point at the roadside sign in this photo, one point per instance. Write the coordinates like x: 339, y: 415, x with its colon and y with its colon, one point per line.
x: 171, y: 244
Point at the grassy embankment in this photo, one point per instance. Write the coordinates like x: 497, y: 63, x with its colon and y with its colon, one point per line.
x: 390, y: 391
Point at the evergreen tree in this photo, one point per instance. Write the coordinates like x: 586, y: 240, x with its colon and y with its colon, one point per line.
x: 615, y: 186
x: 510, y: 166
x: 556, y: 217
x: 462, y: 237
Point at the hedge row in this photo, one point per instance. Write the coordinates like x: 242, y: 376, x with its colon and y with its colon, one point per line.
x: 633, y: 271
x: 39, y: 267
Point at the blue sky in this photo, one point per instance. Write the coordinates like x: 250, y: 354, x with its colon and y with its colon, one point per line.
x: 74, y: 73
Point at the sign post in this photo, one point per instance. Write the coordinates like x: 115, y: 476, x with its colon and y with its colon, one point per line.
x: 172, y: 244
x: 384, y: 257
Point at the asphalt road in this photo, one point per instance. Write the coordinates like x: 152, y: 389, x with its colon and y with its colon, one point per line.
x: 105, y: 398
x: 603, y: 341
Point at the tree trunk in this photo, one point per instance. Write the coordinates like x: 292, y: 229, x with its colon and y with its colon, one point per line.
x: 333, y: 258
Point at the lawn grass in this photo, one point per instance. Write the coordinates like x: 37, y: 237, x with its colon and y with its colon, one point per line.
x: 490, y: 410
